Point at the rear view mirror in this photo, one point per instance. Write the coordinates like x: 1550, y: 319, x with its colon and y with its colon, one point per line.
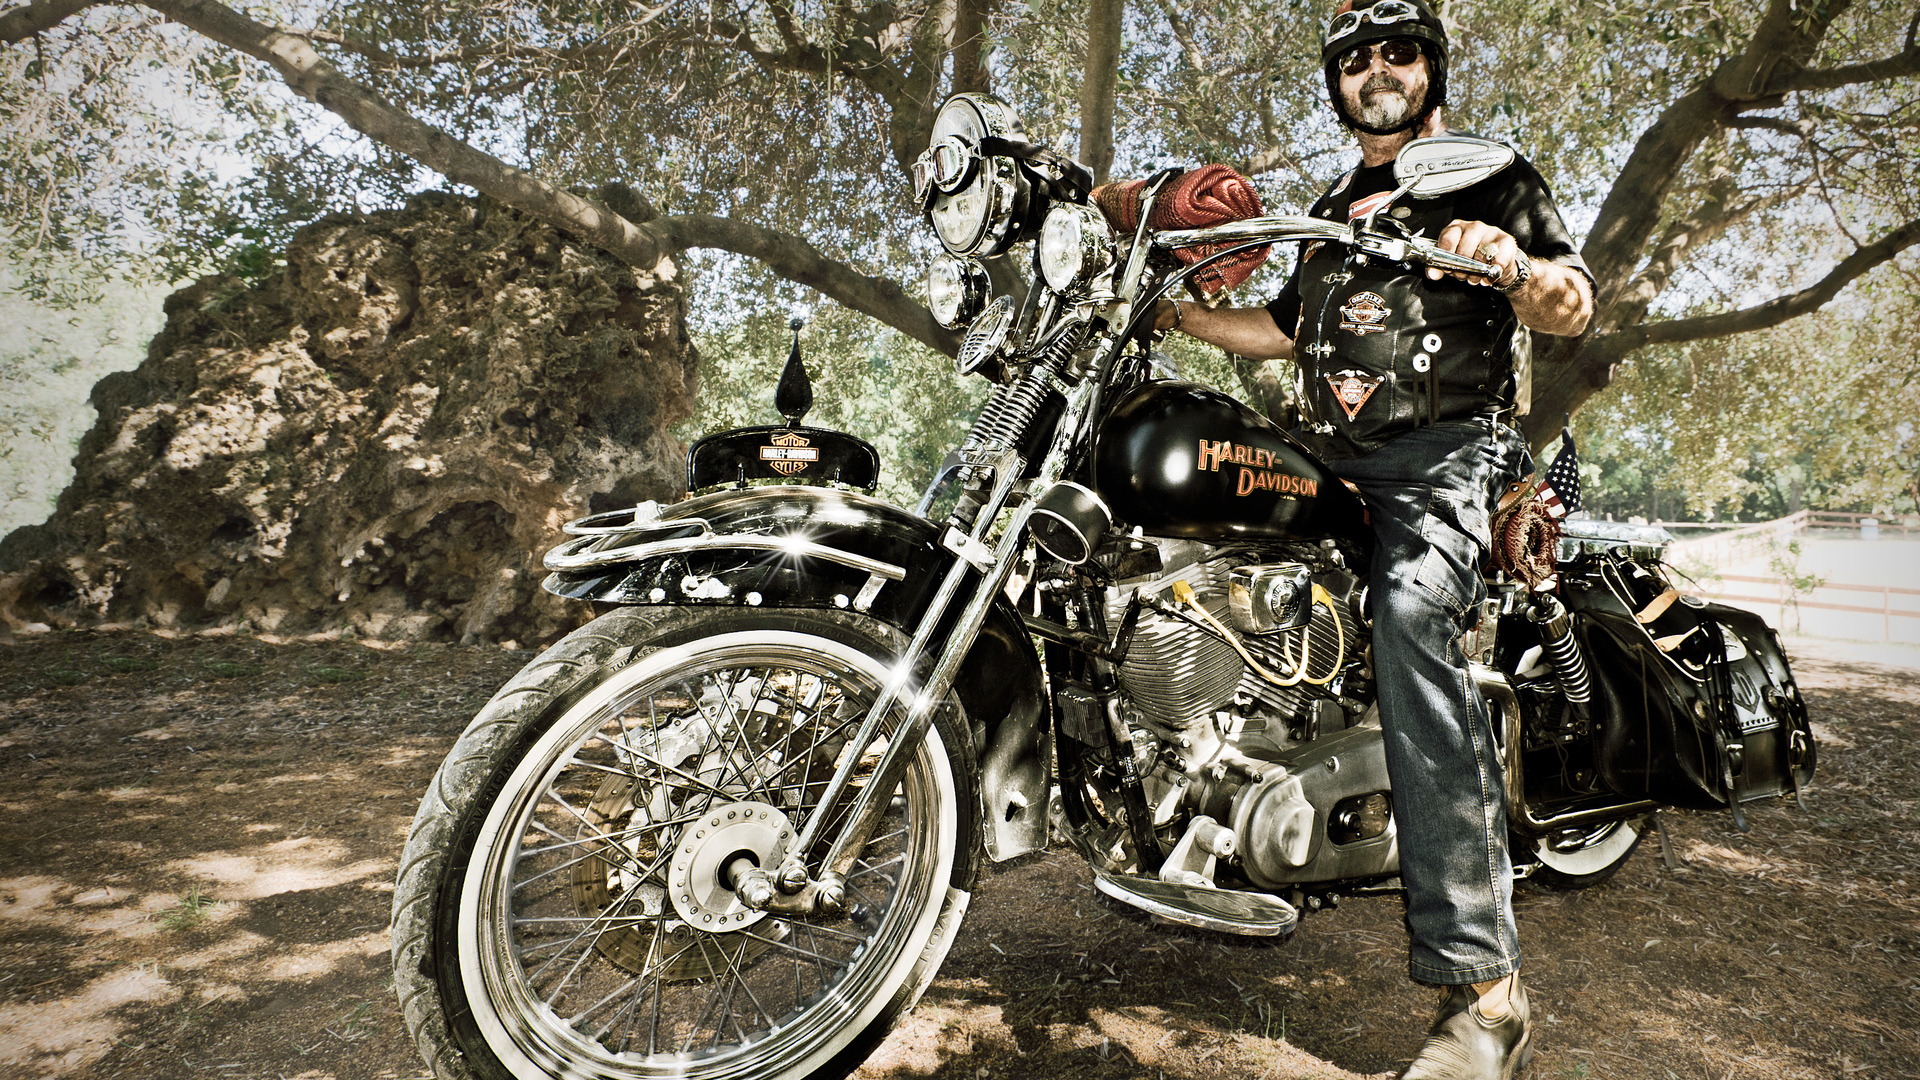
x: 1443, y: 163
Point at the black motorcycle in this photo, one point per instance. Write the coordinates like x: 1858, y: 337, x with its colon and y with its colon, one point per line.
x: 730, y: 827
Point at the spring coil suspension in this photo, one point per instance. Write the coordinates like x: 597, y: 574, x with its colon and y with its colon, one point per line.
x: 1556, y: 636
x: 1011, y: 408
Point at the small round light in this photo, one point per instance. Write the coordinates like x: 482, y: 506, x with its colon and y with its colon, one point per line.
x: 1075, y: 246
x: 956, y: 290
x: 988, y: 333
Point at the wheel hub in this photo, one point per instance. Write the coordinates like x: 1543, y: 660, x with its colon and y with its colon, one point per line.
x: 697, y: 877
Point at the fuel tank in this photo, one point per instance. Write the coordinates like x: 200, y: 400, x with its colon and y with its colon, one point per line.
x: 1181, y: 460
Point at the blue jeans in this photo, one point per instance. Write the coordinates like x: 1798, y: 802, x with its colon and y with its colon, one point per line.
x: 1430, y: 494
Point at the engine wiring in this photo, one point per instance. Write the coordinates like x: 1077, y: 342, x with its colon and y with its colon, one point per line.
x: 1183, y: 593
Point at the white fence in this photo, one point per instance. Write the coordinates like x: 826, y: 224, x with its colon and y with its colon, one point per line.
x: 1859, y: 577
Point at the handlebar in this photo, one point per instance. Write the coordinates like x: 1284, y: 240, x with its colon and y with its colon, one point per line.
x: 1285, y: 228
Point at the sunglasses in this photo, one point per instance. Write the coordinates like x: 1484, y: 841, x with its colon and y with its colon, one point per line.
x: 1384, y: 13
x: 1398, y: 53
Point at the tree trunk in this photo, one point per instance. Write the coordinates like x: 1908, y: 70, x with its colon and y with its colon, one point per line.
x: 1101, y: 75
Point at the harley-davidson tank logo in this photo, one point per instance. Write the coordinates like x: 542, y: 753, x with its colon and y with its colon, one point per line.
x: 1352, y: 389
x: 790, y: 453
x: 1256, y: 469
x: 1365, y: 313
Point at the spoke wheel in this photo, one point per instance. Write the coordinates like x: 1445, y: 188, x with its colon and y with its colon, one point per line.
x: 591, y: 928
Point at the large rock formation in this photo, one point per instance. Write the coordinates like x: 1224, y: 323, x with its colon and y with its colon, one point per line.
x: 380, y: 439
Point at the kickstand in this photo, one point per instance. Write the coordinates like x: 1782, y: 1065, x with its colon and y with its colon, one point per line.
x: 1667, y: 854
x: 1799, y: 796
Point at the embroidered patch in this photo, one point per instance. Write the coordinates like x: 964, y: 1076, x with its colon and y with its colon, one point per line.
x: 1364, y: 313
x: 1362, y: 207
x: 1341, y: 186
x: 1352, y: 388
x: 1311, y: 248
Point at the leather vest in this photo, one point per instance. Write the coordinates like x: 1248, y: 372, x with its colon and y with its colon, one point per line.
x: 1383, y: 350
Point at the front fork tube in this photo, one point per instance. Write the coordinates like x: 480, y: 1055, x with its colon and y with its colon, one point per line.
x: 792, y: 885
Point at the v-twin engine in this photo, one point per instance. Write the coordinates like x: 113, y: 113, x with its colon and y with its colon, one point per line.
x: 1299, y: 648
x: 1246, y: 682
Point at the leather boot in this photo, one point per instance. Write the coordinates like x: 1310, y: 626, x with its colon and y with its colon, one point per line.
x: 1463, y: 1045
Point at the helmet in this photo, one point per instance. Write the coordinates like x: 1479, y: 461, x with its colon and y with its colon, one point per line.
x: 1369, y: 21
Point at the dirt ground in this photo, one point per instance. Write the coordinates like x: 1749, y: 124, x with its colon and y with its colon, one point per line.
x: 198, y: 836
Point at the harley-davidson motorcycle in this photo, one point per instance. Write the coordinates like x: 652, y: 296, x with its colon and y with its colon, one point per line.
x: 730, y: 827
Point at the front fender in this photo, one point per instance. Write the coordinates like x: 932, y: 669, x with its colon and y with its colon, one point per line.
x: 813, y: 547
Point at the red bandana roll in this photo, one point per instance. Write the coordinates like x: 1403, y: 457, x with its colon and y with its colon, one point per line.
x: 1209, y: 195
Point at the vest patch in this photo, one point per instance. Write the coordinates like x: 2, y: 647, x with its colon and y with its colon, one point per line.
x: 1362, y: 207
x: 1364, y: 313
x: 1352, y: 388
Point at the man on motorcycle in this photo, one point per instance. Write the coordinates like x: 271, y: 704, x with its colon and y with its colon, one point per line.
x: 1408, y: 385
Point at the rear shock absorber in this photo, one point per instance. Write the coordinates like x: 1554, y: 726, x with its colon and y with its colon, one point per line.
x: 1555, y: 624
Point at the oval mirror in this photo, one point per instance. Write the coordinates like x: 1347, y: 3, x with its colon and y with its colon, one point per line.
x: 1443, y: 163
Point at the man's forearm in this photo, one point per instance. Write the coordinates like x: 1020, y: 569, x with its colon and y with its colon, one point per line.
x: 1555, y: 300
x: 1248, y: 332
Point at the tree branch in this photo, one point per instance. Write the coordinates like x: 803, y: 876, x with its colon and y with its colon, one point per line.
x: 39, y: 16
x: 1629, y: 213
x: 368, y: 113
x: 646, y: 246
x: 798, y: 261
x: 1720, y: 208
x: 1771, y: 313
x: 1900, y: 64
x: 1769, y: 64
x: 968, y: 43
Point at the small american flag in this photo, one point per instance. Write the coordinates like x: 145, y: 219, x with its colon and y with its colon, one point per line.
x: 1560, y: 489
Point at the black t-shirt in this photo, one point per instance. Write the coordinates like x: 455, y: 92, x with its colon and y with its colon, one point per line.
x: 1380, y: 348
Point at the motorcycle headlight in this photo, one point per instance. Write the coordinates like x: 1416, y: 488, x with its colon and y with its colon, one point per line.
x: 956, y: 290
x: 1075, y: 246
x: 988, y: 334
x: 976, y: 201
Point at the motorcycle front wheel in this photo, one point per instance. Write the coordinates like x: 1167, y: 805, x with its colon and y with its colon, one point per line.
x: 564, y: 905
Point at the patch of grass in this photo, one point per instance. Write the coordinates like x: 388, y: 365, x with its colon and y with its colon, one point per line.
x: 325, y: 674
x: 188, y: 1015
x: 228, y: 669
x: 123, y: 665
x: 355, y: 1024
x: 65, y: 676
x: 190, y: 911
x: 1267, y: 1022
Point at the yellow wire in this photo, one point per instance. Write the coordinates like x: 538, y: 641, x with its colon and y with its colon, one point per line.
x: 1183, y: 592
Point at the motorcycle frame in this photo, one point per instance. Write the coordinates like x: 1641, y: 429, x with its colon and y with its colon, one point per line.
x: 1017, y: 747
